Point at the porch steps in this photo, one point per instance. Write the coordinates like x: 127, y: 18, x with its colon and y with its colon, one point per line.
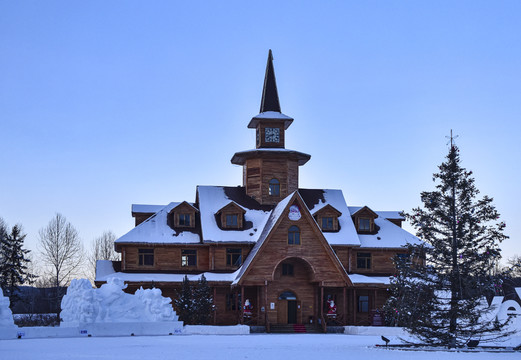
x: 295, y: 329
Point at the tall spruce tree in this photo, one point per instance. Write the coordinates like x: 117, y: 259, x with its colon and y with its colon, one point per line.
x: 184, y: 303
x: 13, y: 261
x: 439, y: 297
x: 203, y: 302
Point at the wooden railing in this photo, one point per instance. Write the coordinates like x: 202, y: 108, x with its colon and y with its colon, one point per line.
x: 324, y: 324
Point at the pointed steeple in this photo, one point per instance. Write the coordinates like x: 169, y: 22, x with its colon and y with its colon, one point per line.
x: 270, y: 96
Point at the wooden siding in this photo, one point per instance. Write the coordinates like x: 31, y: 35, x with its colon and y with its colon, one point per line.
x: 167, y: 258
x: 261, y: 130
x: 381, y: 261
x: 311, y: 249
x: 258, y: 172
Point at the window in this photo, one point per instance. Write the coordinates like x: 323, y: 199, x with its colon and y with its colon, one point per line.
x: 188, y: 257
x: 274, y: 187
x: 327, y: 223
x: 146, y: 257
x: 287, y: 269
x: 233, y: 301
x: 231, y: 220
x: 184, y: 219
x: 294, y: 235
x: 364, y: 225
x: 401, y: 260
x: 233, y: 257
x: 363, y: 260
x: 363, y: 304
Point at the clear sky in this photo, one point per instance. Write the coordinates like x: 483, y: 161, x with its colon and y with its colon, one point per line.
x: 104, y: 104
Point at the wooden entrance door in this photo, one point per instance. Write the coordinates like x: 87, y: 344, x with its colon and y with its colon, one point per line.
x: 292, y: 311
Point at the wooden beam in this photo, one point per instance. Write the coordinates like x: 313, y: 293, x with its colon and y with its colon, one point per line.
x: 214, y: 311
x: 354, y: 307
x: 321, y: 302
x: 242, y: 307
x: 344, y: 299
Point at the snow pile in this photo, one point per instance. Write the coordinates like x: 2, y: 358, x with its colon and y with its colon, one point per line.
x: 6, y: 316
x: 110, y: 304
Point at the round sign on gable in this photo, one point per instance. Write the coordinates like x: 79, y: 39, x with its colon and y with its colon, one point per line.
x: 294, y: 213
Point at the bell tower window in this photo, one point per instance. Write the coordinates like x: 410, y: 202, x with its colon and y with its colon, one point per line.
x: 274, y: 187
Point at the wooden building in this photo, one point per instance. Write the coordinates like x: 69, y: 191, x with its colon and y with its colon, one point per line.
x: 289, y: 251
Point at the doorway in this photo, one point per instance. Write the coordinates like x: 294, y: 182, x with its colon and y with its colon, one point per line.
x: 292, y: 311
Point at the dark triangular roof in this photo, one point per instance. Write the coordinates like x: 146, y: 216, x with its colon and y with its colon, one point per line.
x: 270, y: 96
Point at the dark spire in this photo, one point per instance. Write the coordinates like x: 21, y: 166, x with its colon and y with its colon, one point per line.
x: 270, y: 96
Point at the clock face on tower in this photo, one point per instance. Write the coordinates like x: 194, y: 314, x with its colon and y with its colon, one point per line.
x: 272, y: 135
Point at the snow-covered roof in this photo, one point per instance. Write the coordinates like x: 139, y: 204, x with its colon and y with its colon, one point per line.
x: 155, y: 230
x: 318, y: 199
x: 389, y: 235
x: 147, y: 209
x: 214, y: 198
x: 241, y: 156
x: 385, y: 214
x: 364, y: 279
x: 211, y: 199
x: 272, y: 115
x: 105, y: 271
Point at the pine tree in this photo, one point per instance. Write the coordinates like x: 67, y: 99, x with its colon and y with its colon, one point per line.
x: 14, y: 261
x: 184, y: 303
x: 440, y: 298
x: 203, y: 302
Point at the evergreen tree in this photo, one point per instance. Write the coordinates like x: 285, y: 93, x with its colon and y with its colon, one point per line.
x: 440, y: 296
x: 203, y: 302
x: 13, y: 261
x: 184, y: 303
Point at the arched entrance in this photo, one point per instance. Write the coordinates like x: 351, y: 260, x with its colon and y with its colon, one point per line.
x: 287, y: 308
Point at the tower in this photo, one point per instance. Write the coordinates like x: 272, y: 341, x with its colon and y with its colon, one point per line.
x: 270, y: 171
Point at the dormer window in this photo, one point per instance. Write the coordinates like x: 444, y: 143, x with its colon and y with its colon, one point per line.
x: 231, y: 216
x: 364, y: 225
x: 327, y: 223
x: 274, y: 187
x: 231, y: 220
x: 184, y: 220
x: 364, y: 221
x: 182, y: 216
x: 327, y: 218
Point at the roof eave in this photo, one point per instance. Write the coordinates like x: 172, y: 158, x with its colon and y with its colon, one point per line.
x: 254, y: 122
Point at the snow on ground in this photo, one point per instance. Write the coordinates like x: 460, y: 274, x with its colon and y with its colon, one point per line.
x: 217, y: 347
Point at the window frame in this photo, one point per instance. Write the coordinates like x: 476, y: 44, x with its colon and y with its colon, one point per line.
x: 231, y: 216
x: 144, y: 255
x: 369, y: 221
x: 184, y: 216
x: 364, y: 258
x: 287, y: 269
x: 188, y: 253
x: 363, y: 304
x: 274, y: 188
x: 230, y: 253
x: 292, y: 231
x: 325, y: 220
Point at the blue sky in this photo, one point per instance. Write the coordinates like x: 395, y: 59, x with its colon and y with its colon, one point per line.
x: 105, y: 104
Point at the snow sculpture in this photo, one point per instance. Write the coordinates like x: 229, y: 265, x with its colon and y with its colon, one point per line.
x: 110, y: 304
x: 6, y: 316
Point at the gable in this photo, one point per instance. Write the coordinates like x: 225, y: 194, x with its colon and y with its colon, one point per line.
x: 273, y: 248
